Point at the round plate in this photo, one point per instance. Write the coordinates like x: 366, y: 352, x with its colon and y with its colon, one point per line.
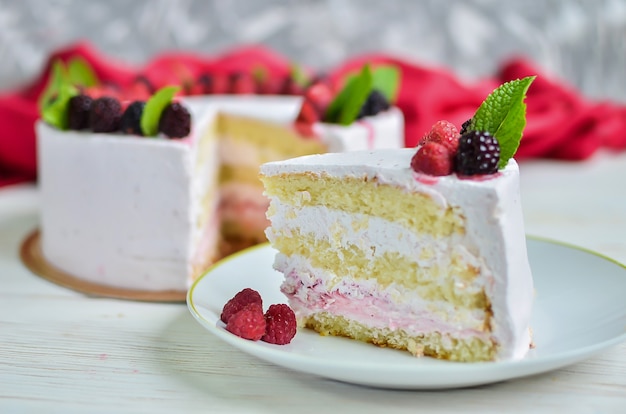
x: 33, y: 258
x: 579, y: 310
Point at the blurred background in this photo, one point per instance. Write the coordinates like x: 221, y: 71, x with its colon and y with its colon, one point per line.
x: 580, y: 41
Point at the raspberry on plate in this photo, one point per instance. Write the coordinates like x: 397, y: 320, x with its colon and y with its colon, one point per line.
x: 248, y: 323
x: 281, y: 325
x: 445, y: 133
x: 433, y: 159
x: 239, y: 301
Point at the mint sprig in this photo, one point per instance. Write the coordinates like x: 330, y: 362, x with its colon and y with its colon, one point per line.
x: 387, y: 80
x: 151, y: 114
x: 503, y: 115
x: 81, y: 73
x: 54, y: 100
x: 345, y: 108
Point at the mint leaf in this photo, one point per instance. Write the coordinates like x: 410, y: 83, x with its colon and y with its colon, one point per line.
x: 387, y: 80
x: 154, y: 107
x: 299, y: 75
x: 345, y: 107
x: 80, y: 73
x: 58, y: 76
x: 55, y: 112
x: 503, y: 115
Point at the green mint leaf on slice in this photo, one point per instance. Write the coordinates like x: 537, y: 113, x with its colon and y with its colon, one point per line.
x: 151, y: 115
x: 80, y: 73
x: 345, y: 108
x: 503, y: 115
x: 55, y: 112
x: 386, y: 79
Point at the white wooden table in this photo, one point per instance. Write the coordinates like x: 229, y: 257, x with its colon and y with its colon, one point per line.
x: 63, y: 352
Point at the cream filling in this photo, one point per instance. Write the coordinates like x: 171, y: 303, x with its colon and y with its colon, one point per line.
x: 365, y: 302
x: 375, y: 236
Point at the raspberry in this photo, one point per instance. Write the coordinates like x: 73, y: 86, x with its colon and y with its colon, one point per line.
x: 105, y: 114
x: 175, y: 121
x: 281, y: 324
x: 78, y: 112
x: 248, y: 323
x: 375, y: 103
x: 479, y: 153
x: 320, y: 95
x: 444, y: 133
x: 215, y: 84
x: 464, y: 126
x: 242, y: 83
x: 289, y: 86
x: 239, y: 301
x: 131, y: 118
x: 433, y: 159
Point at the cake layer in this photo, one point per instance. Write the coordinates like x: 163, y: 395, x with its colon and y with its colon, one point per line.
x: 311, y: 289
x: 357, y: 195
x: 434, y: 344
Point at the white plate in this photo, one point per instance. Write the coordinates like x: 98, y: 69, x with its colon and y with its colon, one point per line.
x: 580, y: 309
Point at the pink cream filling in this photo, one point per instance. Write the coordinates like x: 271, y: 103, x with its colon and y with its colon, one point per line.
x: 369, y: 306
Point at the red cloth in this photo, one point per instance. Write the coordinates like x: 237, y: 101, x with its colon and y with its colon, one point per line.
x: 560, y: 122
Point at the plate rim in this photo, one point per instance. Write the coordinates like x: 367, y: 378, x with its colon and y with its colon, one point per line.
x: 524, y: 367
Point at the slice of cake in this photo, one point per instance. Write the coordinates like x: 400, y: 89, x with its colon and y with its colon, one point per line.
x: 422, y: 250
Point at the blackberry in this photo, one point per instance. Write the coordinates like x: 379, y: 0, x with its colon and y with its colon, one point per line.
x: 105, y: 115
x: 131, y: 119
x: 464, y: 126
x: 78, y: 112
x: 478, y: 153
x: 175, y: 121
x: 375, y: 103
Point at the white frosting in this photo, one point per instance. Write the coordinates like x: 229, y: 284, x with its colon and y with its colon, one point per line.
x: 125, y: 211
x: 494, y: 226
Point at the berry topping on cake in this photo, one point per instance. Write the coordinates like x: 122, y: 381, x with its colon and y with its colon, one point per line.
x: 444, y: 133
x: 242, y: 83
x: 79, y: 108
x: 488, y: 139
x: 280, y: 324
x: 432, y: 158
x: 239, y: 301
x: 361, y: 94
x: 375, y: 103
x: 479, y: 153
x: 248, y: 323
x: 175, y: 121
x: 131, y: 118
x: 105, y: 114
x: 214, y: 84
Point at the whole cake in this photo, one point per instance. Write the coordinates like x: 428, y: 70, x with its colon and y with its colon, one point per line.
x: 145, y: 194
x: 417, y: 249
